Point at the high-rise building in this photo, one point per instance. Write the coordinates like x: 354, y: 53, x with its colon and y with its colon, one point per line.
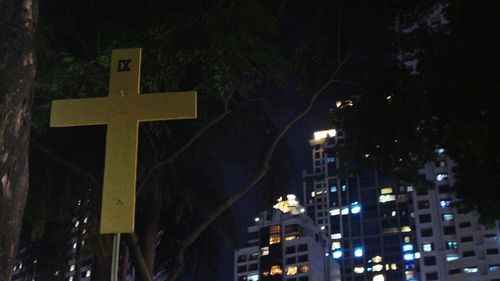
x: 366, y: 215
x: 453, y: 245
x: 285, y: 245
x: 79, y: 260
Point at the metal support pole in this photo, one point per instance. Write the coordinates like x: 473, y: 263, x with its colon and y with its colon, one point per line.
x: 115, y: 257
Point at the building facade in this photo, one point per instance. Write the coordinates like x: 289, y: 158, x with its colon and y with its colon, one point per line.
x: 367, y: 217
x: 285, y: 245
x: 453, y: 245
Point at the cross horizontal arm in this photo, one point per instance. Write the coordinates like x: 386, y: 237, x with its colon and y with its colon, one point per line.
x: 166, y: 106
x: 79, y: 112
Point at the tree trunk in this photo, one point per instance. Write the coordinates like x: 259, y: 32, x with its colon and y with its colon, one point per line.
x: 137, y: 258
x: 17, y: 74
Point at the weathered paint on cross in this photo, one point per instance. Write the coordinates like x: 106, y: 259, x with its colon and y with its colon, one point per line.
x: 121, y: 111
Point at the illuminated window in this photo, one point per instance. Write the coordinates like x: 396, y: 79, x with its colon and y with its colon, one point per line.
x: 393, y: 213
x: 335, y: 212
x: 407, y: 239
x: 408, y: 257
x: 253, y: 277
x: 87, y: 274
x: 344, y: 187
x: 377, y: 267
x: 394, y: 266
x: 344, y: 211
x: 336, y: 236
x: 441, y: 177
x: 275, y: 270
x: 445, y: 203
x: 265, y: 273
x: 72, y: 267
x: 70, y: 278
x: 471, y: 269
x: 377, y: 259
x: 386, y: 198
x: 359, y: 269
x: 452, y: 244
x: 452, y: 257
x: 494, y: 267
x: 355, y: 208
x: 386, y: 190
x: 291, y: 237
x: 378, y: 277
x: 291, y: 270
x: 336, y: 245
x: 304, y: 268
x: 274, y: 239
x: 337, y: 254
x: 405, y: 229
x: 319, y: 135
x: 273, y: 229
x: 391, y: 230
x: 407, y: 247
x: 428, y: 247
x: 333, y: 188
x: 448, y: 217
x: 358, y: 252
x: 264, y: 251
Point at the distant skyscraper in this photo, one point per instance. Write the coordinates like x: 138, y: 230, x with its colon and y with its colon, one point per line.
x: 285, y: 245
x: 367, y: 217
x: 453, y: 245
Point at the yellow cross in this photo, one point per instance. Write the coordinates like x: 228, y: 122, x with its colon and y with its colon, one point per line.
x: 121, y: 111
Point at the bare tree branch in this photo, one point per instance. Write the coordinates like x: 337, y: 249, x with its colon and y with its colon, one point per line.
x: 137, y: 257
x: 179, y: 261
x: 182, y: 149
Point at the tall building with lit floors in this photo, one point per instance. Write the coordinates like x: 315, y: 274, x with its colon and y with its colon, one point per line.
x: 285, y: 245
x: 453, y: 245
x: 367, y: 216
